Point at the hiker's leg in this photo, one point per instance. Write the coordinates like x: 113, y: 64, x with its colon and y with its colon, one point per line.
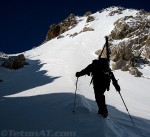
x: 100, y: 99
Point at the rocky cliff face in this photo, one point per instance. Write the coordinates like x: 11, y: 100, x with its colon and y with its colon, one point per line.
x: 130, y: 42
x: 70, y: 22
x: 57, y: 29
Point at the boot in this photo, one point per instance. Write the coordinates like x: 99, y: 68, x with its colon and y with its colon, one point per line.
x: 103, y: 111
x: 102, y: 106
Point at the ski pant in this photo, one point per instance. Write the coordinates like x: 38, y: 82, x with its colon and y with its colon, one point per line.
x: 100, y: 97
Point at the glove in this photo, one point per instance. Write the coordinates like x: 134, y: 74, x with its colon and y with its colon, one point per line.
x: 78, y: 74
x: 117, y: 87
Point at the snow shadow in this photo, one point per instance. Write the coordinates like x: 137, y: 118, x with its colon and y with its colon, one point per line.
x: 15, y: 81
x: 53, y: 112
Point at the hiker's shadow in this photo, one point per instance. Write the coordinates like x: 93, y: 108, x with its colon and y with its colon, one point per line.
x: 31, y: 76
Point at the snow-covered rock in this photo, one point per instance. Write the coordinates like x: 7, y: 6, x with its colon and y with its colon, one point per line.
x: 15, y: 62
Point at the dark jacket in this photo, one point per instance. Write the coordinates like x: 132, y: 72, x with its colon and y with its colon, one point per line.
x: 101, y: 74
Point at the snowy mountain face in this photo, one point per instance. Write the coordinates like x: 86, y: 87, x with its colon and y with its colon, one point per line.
x: 39, y: 97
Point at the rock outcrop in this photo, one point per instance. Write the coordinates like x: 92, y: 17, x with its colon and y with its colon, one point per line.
x: 90, y: 18
x: 134, y: 71
x: 57, y: 29
x: 87, y: 14
x: 53, y: 32
x: 85, y: 29
x: 147, y: 48
x: 15, y: 62
x: 117, y: 11
x: 131, y: 48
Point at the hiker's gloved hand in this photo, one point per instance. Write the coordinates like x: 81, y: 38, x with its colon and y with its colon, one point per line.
x: 78, y: 74
x: 117, y: 87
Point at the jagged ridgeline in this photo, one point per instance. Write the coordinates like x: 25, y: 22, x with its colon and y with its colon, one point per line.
x: 129, y: 40
x: 70, y: 22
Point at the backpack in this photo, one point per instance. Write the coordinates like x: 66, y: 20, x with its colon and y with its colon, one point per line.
x: 101, y: 71
x: 100, y: 67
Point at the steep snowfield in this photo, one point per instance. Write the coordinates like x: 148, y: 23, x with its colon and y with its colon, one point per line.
x: 40, y: 96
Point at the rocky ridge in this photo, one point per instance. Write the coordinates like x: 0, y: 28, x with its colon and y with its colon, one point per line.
x: 70, y: 22
x: 130, y: 42
x: 57, y: 29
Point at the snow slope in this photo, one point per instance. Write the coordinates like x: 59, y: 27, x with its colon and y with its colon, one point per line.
x: 40, y: 96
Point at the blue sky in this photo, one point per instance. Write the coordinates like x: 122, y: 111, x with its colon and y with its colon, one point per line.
x: 24, y: 23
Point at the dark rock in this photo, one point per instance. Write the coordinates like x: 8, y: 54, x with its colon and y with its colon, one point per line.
x: 100, y: 11
x: 60, y: 36
x: 15, y: 62
x: 137, y: 61
x: 120, y: 31
x: 57, y: 29
x: 115, y: 12
x: 87, y: 29
x: 74, y: 34
x: 121, y: 51
x: 125, y: 68
x: 53, y: 32
x: 134, y: 71
x: 69, y: 23
x: 88, y: 13
x: 90, y: 18
x: 147, y: 48
x: 119, y: 64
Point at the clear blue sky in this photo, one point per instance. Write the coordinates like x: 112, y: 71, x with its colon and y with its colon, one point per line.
x: 24, y: 23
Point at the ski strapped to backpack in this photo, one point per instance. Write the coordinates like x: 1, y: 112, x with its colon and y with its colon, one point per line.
x: 108, y: 57
x: 102, y: 65
x: 107, y: 49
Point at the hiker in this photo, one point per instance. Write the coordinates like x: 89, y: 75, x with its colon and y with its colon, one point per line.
x: 101, y: 77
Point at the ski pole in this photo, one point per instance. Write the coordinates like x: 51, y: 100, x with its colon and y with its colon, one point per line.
x: 127, y: 109
x: 75, y: 96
